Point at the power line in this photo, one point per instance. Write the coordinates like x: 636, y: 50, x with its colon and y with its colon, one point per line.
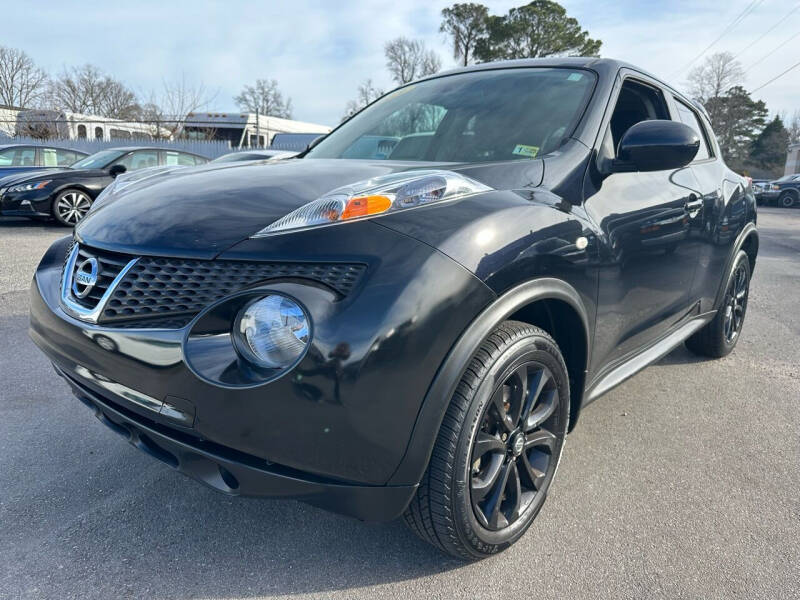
x: 768, y: 31
x: 771, y: 52
x: 794, y: 66
x: 748, y: 9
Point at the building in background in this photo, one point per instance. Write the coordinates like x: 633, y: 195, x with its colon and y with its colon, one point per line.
x: 48, y: 124
x: 792, y: 160
x: 244, y: 129
x: 8, y: 120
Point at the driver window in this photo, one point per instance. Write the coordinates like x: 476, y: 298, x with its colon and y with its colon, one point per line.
x: 636, y: 102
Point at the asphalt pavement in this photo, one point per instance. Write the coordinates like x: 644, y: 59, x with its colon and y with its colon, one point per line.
x: 681, y: 483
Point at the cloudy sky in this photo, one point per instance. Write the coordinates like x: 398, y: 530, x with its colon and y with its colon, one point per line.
x: 319, y: 51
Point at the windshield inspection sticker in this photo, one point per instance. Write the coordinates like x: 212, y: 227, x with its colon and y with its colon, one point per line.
x: 524, y: 150
x: 575, y: 77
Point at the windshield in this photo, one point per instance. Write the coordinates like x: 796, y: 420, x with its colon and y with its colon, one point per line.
x: 98, y: 160
x: 471, y: 117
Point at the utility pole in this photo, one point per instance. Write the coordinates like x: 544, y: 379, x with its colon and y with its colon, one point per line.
x: 258, y: 122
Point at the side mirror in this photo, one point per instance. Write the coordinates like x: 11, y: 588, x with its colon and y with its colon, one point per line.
x: 117, y: 170
x: 656, y: 146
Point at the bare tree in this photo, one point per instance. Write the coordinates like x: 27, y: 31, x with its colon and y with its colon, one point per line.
x: 716, y: 75
x: 367, y: 93
x: 265, y: 98
x: 179, y: 99
x: 466, y: 24
x: 88, y: 90
x: 408, y: 60
x: 21, y: 81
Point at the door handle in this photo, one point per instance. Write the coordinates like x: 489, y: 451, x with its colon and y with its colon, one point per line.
x: 693, y: 205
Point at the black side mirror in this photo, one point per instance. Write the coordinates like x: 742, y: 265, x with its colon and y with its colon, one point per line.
x: 117, y: 170
x: 656, y: 146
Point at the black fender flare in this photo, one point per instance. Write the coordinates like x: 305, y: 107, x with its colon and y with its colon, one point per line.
x: 443, y: 386
x: 748, y: 230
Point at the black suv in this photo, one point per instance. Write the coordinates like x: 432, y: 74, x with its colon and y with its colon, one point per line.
x: 413, y: 329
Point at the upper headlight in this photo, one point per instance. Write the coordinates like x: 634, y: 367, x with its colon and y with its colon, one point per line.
x: 27, y: 187
x: 385, y: 194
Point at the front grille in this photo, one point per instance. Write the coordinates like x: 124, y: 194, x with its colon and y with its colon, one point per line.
x: 110, y: 264
x: 169, y: 292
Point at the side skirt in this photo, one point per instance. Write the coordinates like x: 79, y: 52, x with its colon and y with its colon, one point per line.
x: 639, y: 361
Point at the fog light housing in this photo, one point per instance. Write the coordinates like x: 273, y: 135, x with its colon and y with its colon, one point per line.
x: 272, y: 332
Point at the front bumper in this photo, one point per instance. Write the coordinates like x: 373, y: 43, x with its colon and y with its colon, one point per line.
x: 20, y: 205
x: 333, y: 430
x: 235, y: 473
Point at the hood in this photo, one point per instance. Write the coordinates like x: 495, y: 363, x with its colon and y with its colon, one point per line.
x: 202, y: 211
x: 31, y: 175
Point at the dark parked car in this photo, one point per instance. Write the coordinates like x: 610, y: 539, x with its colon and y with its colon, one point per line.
x: 246, y: 155
x: 784, y: 191
x: 18, y: 158
x: 409, y: 337
x: 66, y: 195
x: 295, y: 141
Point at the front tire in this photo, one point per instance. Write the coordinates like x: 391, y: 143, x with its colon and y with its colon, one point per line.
x: 718, y: 338
x: 787, y: 199
x: 498, y: 446
x: 70, y: 206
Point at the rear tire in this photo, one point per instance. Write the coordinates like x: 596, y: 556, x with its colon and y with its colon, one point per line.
x: 718, y: 338
x: 498, y: 446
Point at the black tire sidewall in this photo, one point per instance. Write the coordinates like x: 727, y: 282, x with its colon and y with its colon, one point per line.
x: 54, y: 205
x: 792, y: 198
x: 483, y: 541
x: 741, y: 258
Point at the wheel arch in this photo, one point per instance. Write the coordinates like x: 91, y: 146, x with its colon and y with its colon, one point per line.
x: 543, y: 302
x: 748, y: 241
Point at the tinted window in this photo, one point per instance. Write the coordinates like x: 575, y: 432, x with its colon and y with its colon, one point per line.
x: 508, y: 114
x: 17, y: 157
x: 688, y: 117
x: 98, y: 160
x: 178, y: 158
x: 140, y: 159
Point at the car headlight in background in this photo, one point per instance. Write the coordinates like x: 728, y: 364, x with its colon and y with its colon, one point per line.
x: 385, y: 194
x: 27, y: 187
x: 271, y: 332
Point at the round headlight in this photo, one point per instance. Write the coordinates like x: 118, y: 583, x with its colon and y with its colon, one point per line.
x: 271, y: 332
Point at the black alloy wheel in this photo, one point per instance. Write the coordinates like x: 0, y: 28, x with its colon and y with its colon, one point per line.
x: 498, y: 446
x: 513, y: 452
x: 718, y: 338
x: 736, y: 302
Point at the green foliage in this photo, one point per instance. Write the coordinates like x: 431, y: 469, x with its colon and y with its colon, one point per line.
x: 466, y: 24
x: 768, y: 150
x: 541, y: 28
x: 737, y: 120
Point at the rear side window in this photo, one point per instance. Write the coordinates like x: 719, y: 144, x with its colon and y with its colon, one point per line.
x: 17, y: 157
x: 178, y: 158
x: 688, y: 117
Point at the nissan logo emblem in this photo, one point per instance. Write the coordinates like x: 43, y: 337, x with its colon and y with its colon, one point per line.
x: 85, y: 278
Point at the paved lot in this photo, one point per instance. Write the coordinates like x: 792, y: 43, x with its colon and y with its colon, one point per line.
x: 681, y: 483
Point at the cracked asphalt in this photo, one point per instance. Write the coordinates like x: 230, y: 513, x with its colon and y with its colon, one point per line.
x: 681, y: 483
